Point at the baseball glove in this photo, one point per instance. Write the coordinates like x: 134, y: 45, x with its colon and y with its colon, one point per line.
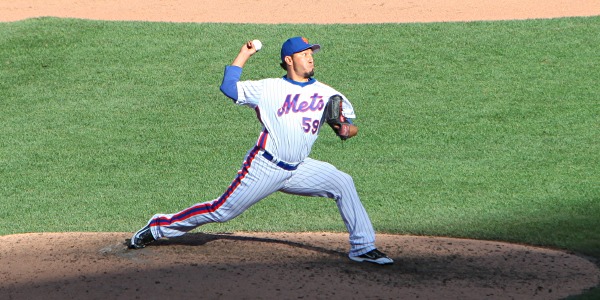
x: 332, y: 115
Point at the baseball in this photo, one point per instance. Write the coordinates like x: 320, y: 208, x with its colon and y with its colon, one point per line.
x: 257, y: 44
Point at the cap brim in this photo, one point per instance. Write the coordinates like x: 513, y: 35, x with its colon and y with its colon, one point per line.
x: 315, y: 48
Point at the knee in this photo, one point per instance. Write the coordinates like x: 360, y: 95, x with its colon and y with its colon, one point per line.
x: 346, y: 180
x: 344, y: 185
x: 218, y: 217
x: 223, y: 215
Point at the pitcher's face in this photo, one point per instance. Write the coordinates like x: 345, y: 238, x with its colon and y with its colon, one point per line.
x: 303, y: 64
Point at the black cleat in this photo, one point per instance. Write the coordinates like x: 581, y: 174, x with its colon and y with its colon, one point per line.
x: 141, y: 238
x: 373, y: 256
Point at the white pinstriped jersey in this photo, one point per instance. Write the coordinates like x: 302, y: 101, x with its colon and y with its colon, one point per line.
x: 290, y: 113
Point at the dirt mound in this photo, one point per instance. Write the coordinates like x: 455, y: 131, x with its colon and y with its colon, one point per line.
x: 282, y: 266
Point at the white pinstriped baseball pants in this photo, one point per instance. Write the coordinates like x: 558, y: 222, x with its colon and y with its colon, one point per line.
x: 259, y: 178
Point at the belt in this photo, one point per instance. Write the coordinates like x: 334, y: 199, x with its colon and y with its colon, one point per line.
x: 279, y: 163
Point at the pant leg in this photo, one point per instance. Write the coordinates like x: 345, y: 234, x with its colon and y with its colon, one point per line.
x: 257, y: 179
x: 321, y: 179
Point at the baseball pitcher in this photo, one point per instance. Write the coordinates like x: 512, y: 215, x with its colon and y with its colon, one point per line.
x: 292, y: 110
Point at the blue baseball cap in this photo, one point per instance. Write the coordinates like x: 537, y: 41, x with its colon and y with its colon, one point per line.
x: 297, y: 44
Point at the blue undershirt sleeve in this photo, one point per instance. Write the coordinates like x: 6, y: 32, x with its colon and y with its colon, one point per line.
x: 230, y: 79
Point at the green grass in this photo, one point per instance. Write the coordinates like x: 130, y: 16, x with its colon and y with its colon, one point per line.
x: 487, y: 130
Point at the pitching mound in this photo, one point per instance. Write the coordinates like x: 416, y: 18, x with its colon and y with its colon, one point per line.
x: 282, y: 266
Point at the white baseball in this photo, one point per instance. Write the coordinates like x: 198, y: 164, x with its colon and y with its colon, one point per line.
x: 257, y: 44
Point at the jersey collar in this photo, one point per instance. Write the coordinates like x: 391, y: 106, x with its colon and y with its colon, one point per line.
x: 298, y: 83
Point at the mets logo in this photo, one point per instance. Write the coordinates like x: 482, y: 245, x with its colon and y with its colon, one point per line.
x: 295, y: 105
x: 305, y: 40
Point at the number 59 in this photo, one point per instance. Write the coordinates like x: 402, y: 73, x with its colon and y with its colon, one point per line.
x: 310, y: 126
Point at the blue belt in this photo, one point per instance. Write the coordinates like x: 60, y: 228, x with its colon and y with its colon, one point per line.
x: 281, y: 164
